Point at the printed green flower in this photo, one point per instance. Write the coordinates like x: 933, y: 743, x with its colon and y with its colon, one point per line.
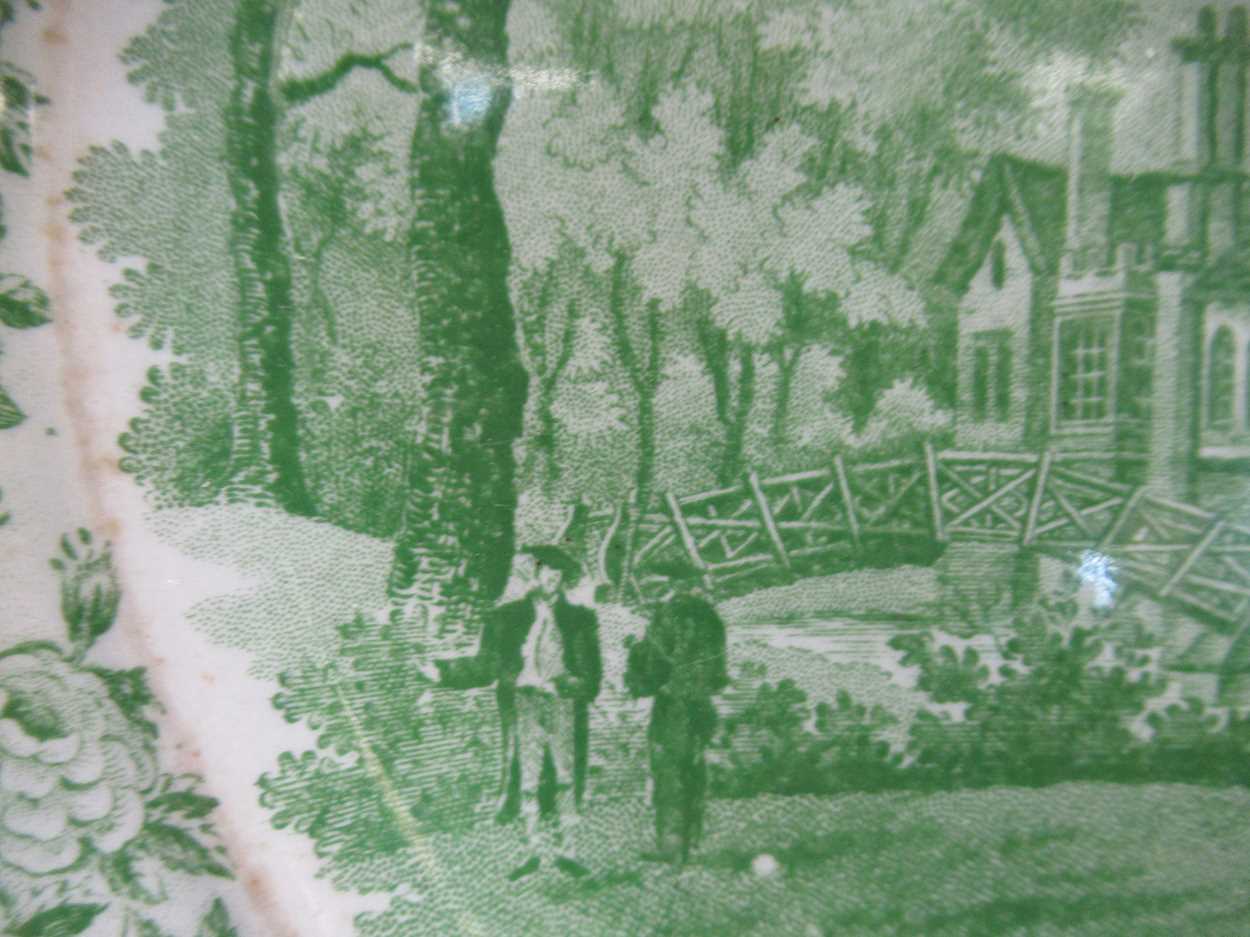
x: 73, y: 767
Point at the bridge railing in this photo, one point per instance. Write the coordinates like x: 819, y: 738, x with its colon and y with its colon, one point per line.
x: 817, y: 521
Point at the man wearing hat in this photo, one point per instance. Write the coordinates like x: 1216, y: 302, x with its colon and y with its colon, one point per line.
x: 681, y: 662
x: 541, y: 653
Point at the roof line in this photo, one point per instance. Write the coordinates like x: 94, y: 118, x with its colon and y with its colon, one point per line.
x: 1024, y: 223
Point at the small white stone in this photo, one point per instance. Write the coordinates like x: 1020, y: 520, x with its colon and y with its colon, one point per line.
x: 765, y: 866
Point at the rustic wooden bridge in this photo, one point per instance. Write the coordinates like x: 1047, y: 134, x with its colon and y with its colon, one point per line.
x: 815, y: 522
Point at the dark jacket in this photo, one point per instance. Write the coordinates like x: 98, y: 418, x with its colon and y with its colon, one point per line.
x: 683, y: 653
x: 498, y: 661
x: 498, y: 656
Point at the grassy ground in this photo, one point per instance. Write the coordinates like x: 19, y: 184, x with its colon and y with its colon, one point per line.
x: 1078, y: 859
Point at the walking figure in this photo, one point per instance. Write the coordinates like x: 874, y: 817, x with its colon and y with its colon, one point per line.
x: 680, y: 662
x: 541, y: 653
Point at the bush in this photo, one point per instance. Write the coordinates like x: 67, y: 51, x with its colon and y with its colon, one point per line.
x: 1060, y: 707
x: 1066, y: 699
x: 1191, y: 745
x: 778, y: 744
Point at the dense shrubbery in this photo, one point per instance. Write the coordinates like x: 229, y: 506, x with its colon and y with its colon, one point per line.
x: 1195, y: 746
x: 1065, y: 701
x: 1057, y: 708
x: 780, y: 744
x: 1062, y: 698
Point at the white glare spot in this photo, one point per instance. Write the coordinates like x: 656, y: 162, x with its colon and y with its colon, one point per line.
x: 1098, y: 572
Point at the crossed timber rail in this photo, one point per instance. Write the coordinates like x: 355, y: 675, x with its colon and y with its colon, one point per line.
x: 1061, y: 504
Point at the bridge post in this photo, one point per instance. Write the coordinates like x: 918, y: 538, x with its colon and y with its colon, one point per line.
x: 848, y: 501
x: 935, y: 493
x: 1039, y: 492
x: 766, y: 518
x: 967, y: 568
x: 687, y: 538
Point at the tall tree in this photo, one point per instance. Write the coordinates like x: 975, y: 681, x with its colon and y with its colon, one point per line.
x: 265, y: 452
x: 454, y: 549
x: 265, y: 457
x: 550, y: 306
x: 652, y: 249
x: 579, y: 167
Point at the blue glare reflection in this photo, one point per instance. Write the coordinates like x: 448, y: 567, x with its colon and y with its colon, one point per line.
x: 1098, y: 572
x: 469, y: 102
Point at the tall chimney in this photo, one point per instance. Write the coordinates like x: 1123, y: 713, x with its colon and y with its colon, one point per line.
x: 1230, y: 93
x: 1087, y: 239
x: 1197, y: 92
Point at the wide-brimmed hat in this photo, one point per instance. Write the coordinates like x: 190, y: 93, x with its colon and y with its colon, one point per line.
x: 556, y: 558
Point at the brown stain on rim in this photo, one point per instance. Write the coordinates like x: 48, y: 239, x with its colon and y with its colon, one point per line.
x: 97, y: 463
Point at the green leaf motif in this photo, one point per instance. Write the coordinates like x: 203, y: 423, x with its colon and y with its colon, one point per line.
x: 216, y: 922
x: 63, y: 921
x: 129, y: 691
x: 178, y: 850
x: 8, y: 10
x: 187, y: 803
x: 130, y: 879
x: 19, y: 102
x: 10, y: 415
x: 149, y: 928
x: 22, y: 304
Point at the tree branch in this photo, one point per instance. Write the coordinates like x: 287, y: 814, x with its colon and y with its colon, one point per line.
x: 300, y: 90
x: 713, y: 347
x: 620, y: 331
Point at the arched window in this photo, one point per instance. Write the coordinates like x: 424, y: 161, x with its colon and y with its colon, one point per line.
x: 1221, y: 374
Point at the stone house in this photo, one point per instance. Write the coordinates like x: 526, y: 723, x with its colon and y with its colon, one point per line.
x: 1089, y: 311
x: 1111, y: 314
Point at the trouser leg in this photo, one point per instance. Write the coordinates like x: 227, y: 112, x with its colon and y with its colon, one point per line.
x: 545, y: 723
x: 667, y: 799
x: 508, y: 804
x: 666, y: 775
x: 530, y: 747
x: 694, y: 798
x: 560, y: 743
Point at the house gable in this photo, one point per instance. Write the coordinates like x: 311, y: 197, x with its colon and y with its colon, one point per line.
x: 1032, y: 197
x: 994, y: 323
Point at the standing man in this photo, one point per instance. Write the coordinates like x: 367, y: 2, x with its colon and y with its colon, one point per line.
x: 681, y: 662
x: 541, y: 653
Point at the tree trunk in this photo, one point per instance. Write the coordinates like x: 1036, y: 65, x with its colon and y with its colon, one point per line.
x: 644, y: 476
x: 547, y: 387
x: 545, y: 442
x: 787, y: 361
x: 265, y: 455
x: 644, y: 378
x: 733, y: 398
x: 454, y: 549
x: 319, y: 297
x: 738, y: 417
